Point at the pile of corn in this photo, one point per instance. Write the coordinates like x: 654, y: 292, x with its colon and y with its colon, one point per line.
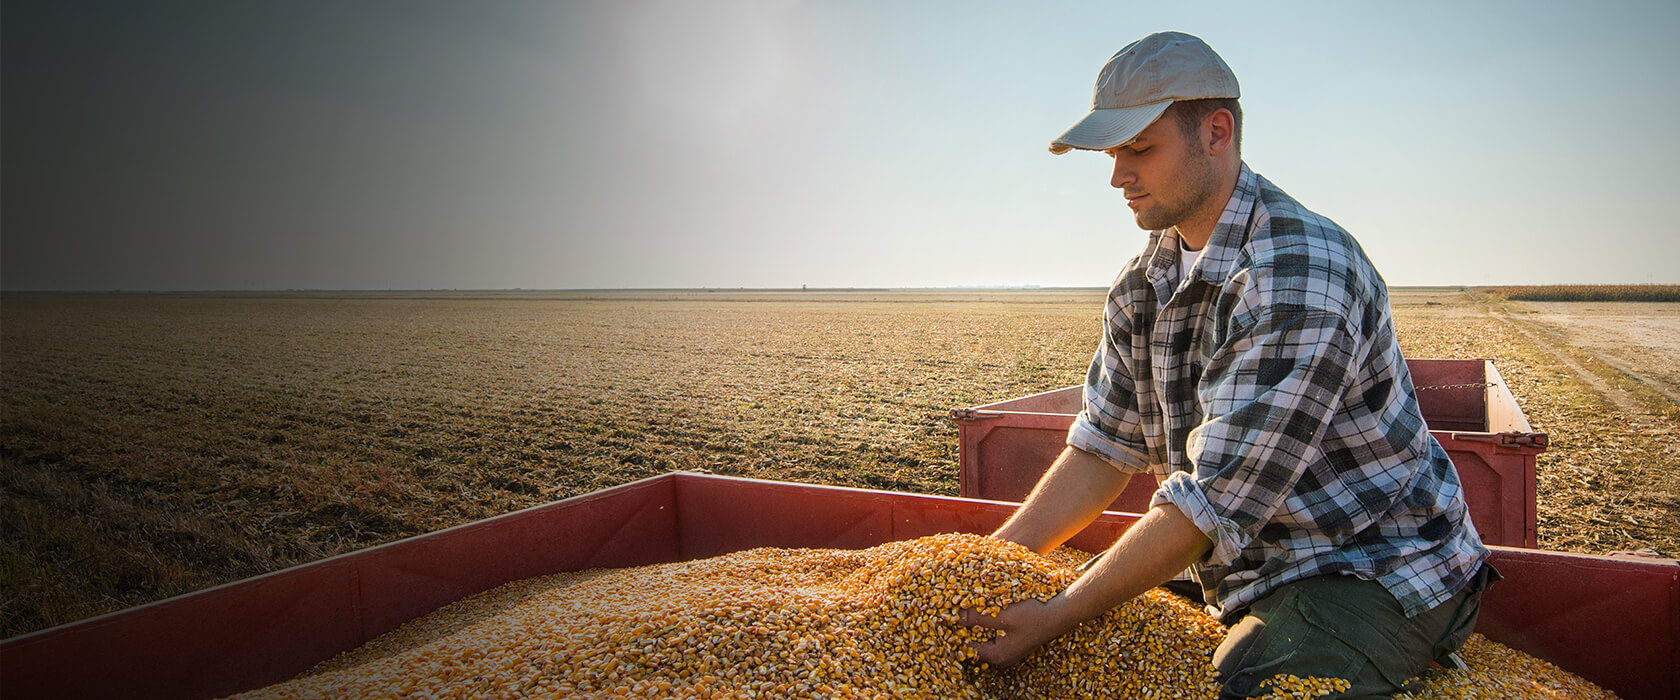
x: 775, y: 623
x: 1496, y: 672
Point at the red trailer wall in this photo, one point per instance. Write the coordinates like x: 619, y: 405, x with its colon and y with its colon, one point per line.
x: 1004, y: 447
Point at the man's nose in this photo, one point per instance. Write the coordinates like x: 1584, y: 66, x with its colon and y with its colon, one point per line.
x: 1123, y: 175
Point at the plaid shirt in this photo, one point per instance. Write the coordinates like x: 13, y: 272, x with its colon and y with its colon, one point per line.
x: 1268, y: 394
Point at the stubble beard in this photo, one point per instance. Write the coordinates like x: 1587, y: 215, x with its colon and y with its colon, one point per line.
x: 1198, y: 183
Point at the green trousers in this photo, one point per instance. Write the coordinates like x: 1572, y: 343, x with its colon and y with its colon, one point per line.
x: 1339, y: 626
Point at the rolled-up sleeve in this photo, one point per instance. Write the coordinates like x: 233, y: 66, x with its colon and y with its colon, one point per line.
x: 1110, y: 425
x: 1268, y: 395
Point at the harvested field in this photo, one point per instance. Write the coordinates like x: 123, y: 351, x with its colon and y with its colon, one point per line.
x: 154, y: 445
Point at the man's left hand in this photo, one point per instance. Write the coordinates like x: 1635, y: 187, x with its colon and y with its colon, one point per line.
x: 1022, y: 629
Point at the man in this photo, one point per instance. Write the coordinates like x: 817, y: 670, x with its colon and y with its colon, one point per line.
x: 1249, y: 362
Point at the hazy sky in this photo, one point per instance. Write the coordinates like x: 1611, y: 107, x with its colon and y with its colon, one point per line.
x: 374, y: 144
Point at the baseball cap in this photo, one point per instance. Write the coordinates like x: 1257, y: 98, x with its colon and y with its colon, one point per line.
x: 1140, y: 82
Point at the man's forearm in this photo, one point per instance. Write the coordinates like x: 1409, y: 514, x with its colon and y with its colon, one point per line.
x: 1161, y: 544
x: 1075, y: 490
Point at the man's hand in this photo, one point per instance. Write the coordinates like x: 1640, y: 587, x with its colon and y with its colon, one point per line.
x: 1148, y: 554
x: 1022, y: 629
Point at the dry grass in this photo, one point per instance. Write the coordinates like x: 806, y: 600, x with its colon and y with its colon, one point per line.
x: 151, y: 446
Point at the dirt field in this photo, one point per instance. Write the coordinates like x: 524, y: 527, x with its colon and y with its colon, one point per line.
x: 154, y: 445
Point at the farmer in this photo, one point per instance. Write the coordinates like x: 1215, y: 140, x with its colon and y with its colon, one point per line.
x: 1248, y: 362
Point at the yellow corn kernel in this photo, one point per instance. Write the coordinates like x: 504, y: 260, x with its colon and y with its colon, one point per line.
x: 870, y: 624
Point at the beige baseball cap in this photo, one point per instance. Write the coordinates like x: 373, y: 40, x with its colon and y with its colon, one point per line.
x: 1140, y: 82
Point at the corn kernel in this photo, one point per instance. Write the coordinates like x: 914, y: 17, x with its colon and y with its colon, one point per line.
x: 869, y: 624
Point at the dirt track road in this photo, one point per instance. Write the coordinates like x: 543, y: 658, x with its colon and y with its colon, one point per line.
x: 1639, y: 338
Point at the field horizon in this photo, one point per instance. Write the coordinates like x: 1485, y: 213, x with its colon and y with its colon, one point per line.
x: 1517, y: 288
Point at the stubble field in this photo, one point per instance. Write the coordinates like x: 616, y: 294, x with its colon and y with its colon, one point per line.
x: 154, y: 445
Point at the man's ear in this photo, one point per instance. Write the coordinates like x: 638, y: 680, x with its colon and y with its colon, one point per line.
x: 1219, y: 131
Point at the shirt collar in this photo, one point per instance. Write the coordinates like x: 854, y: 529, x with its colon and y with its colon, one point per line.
x: 1223, y: 244
x: 1232, y: 231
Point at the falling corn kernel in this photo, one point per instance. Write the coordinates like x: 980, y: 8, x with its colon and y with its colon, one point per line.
x: 817, y: 623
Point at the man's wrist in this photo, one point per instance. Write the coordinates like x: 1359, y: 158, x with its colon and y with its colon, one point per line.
x: 1065, y: 612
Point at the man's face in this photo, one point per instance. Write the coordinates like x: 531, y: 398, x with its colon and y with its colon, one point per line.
x: 1165, y: 177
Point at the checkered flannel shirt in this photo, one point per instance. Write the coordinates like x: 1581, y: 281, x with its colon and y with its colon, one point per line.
x: 1268, y: 395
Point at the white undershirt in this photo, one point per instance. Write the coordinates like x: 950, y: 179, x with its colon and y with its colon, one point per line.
x: 1186, y: 258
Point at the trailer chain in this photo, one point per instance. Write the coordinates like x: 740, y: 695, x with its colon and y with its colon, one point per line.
x: 1482, y: 385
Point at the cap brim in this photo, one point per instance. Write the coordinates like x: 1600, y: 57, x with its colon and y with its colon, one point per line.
x: 1103, y: 129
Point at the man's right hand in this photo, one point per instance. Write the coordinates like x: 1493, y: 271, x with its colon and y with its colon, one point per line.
x: 1151, y: 552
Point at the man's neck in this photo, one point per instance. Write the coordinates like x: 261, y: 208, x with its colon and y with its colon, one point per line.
x: 1184, y: 244
x: 1194, y: 232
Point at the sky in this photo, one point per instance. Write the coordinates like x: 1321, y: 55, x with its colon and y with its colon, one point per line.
x: 422, y: 144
